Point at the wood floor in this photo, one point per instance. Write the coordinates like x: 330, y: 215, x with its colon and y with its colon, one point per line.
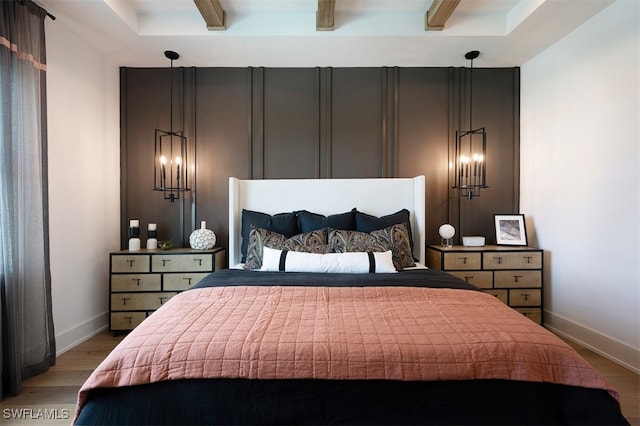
x: 50, y: 398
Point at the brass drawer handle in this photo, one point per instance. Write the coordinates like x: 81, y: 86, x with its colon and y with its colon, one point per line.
x: 187, y: 279
x: 498, y: 259
x: 516, y: 277
x: 130, y: 262
x: 525, y: 296
x: 162, y: 299
x: 124, y: 300
x: 199, y: 261
x: 464, y: 260
x: 526, y: 314
x: 137, y: 280
x: 528, y: 258
x: 164, y: 262
x: 129, y: 319
x: 467, y: 278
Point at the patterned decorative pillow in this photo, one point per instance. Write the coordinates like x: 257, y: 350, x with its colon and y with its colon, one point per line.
x: 397, y: 236
x: 343, y: 241
x: 310, y: 242
x: 282, y: 223
x: 368, y: 223
x: 394, y: 238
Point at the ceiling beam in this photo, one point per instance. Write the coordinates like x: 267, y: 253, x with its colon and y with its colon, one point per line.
x: 214, y: 15
x: 438, y: 13
x: 325, y: 15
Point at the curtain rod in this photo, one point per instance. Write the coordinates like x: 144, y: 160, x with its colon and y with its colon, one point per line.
x: 53, y: 18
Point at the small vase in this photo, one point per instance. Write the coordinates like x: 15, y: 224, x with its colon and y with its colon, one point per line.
x: 203, y: 238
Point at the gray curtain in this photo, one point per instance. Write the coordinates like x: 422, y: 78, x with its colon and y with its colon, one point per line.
x: 28, y: 342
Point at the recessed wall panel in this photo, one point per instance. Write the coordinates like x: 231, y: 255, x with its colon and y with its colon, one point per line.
x: 423, y: 137
x: 357, y: 114
x: 290, y: 123
x: 223, y: 141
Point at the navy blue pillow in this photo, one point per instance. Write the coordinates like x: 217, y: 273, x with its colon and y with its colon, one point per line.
x: 367, y: 223
x: 282, y: 223
x: 309, y: 221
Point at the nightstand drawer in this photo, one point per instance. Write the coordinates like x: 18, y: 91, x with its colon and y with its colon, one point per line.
x: 517, y: 260
x: 135, y: 282
x: 130, y: 263
x: 525, y: 297
x: 182, y: 281
x: 517, y: 279
x: 139, y: 301
x: 182, y: 262
x: 534, y: 314
x: 461, y: 260
x: 126, y: 320
x: 501, y: 295
x: 481, y: 279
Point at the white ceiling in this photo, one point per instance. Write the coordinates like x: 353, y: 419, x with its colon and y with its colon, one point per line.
x: 281, y: 33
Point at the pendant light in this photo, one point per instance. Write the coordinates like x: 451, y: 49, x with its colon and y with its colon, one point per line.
x: 471, y: 150
x: 170, y: 175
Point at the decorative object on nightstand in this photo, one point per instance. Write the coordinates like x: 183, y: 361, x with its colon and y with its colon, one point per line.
x: 152, y: 234
x: 143, y: 281
x: 512, y: 274
x: 510, y: 229
x: 165, y: 244
x: 446, y: 232
x: 203, y: 238
x: 134, y: 235
x: 473, y: 241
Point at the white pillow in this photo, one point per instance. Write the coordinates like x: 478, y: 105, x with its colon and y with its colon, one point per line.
x: 351, y: 263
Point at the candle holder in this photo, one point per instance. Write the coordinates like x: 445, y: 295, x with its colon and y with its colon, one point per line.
x: 134, y: 235
x: 152, y: 235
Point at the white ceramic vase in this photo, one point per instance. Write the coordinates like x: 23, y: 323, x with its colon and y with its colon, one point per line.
x: 203, y: 238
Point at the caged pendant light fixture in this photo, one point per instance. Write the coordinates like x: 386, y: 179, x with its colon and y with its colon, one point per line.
x: 170, y: 175
x: 471, y: 150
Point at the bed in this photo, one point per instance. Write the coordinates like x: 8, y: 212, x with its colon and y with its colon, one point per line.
x: 324, y: 329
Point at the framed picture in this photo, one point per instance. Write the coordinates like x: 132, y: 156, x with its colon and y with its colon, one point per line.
x: 510, y: 229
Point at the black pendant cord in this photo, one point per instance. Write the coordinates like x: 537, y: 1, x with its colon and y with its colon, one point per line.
x: 172, y: 56
x: 471, y: 55
x: 171, y: 101
x: 471, y: 96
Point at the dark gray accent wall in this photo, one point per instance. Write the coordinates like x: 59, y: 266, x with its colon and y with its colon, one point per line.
x: 264, y: 123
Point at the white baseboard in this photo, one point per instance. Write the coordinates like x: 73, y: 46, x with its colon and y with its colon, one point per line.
x: 72, y: 337
x: 612, y: 349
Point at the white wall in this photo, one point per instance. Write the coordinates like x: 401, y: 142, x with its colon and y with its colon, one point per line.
x: 84, y: 182
x: 580, y: 182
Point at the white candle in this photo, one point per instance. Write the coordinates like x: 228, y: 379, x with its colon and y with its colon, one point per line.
x: 178, y: 162
x: 203, y: 224
x: 163, y: 177
x: 134, y: 223
x: 151, y: 227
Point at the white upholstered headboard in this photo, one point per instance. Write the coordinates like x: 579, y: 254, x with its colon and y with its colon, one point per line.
x: 378, y: 197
